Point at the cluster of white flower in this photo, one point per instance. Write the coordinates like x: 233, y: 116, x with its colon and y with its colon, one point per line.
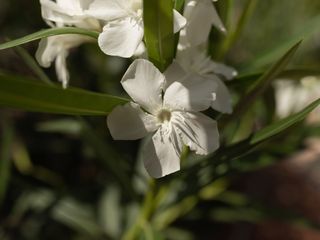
x: 166, y: 104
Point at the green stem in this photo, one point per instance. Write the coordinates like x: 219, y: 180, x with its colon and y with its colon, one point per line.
x: 145, y: 213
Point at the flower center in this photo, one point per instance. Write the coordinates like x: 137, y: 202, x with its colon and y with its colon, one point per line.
x: 164, y: 116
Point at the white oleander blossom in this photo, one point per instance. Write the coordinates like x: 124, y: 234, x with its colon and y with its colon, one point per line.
x: 123, y: 29
x: 195, y: 60
x: 201, y: 15
x: 167, y: 109
x: 61, y: 13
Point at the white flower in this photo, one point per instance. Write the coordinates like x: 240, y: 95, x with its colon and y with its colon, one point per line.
x: 56, y: 48
x: 123, y: 31
x: 170, y: 111
x: 195, y: 60
x: 201, y: 15
x: 292, y: 96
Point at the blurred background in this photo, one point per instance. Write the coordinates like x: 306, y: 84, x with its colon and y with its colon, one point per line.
x: 60, y: 176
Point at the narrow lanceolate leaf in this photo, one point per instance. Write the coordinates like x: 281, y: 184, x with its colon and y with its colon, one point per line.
x: 307, y: 30
x: 261, y: 84
x: 275, y: 70
x: 29, y: 95
x: 227, y: 155
x: 158, y: 31
x: 47, y: 33
x: 242, y: 83
x: 283, y: 124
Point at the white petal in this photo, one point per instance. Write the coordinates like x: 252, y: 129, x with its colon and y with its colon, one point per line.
x: 70, y: 6
x: 173, y: 73
x: 195, y: 59
x: 57, y: 48
x: 50, y: 47
x: 121, y: 38
x: 224, y: 70
x: 160, y: 157
x: 223, y: 101
x: 84, y: 4
x: 108, y: 9
x: 216, y: 21
x: 129, y: 122
x: 197, y: 131
x: 200, y: 15
x: 193, y: 94
x: 178, y: 21
x: 46, y: 52
x: 141, y: 51
x: 52, y: 11
x: 144, y: 84
x: 61, y: 68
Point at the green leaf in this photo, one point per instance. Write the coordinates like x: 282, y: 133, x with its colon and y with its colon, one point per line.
x: 17, y: 92
x: 275, y: 70
x: 47, y: 33
x: 283, y: 124
x: 207, y: 170
x: 158, y: 31
x: 178, y: 5
x: 233, y: 36
x: 261, y: 84
x: 305, y: 32
x: 33, y: 65
x: 242, y: 83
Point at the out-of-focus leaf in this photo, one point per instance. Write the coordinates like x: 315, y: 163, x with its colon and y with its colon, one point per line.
x: 242, y: 83
x: 306, y: 31
x: 47, y: 33
x: 109, y: 215
x: 233, y: 36
x: 178, y: 234
x: 33, y: 65
x: 257, y: 212
x: 5, y: 161
x: 239, y: 214
x: 261, y: 84
x: 205, y: 172
x: 78, y: 217
x: 283, y: 124
x: 110, y: 158
x: 17, y: 92
x: 64, y: 126
x: 275, y: 70
x: 158, y: 31
x: 178, y: 5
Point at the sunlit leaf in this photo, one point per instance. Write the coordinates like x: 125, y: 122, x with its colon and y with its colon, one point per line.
x: 47, y: 33
x: 158, y: 31
x: 29, y: 95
